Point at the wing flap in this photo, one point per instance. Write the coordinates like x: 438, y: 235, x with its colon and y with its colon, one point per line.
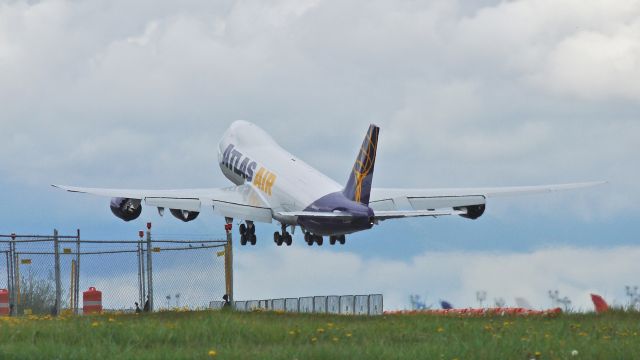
x: 242, y: 211
x: 172, y: 203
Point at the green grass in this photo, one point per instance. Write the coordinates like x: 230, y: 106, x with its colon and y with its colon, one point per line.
x: 177, y: 335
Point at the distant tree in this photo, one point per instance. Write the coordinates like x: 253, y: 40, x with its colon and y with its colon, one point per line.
x: 417, y: 303
x: 558, y: 301
x: 37, y: 294
x: 481, y: 296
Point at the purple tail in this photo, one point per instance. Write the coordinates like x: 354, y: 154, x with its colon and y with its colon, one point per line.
x: 359, y: 185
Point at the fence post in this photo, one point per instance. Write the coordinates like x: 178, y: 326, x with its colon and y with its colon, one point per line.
x: 16, y: 279
x: 228, y: 260
x: 149, y: 269
x: 72, y: 286
x: 12, y: 271
x: 56, y: 251
x: 9, y: 255
x: 76, y: 294
x: 140, y: 270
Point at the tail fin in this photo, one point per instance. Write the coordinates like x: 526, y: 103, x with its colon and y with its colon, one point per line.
x: 359, y: 185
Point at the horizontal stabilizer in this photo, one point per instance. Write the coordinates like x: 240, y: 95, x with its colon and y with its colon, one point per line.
x: 385, y: 215
x: 318, y: 214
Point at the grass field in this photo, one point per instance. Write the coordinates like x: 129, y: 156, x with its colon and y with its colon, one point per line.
x: 229, y: 335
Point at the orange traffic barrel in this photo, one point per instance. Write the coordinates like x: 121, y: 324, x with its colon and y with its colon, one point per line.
x: 4, y: 302
x: 91, y: 301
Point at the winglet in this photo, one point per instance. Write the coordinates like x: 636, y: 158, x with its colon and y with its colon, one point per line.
x: 359, y: 184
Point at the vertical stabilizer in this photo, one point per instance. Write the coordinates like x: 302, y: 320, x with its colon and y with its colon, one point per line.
x: 359, y: 185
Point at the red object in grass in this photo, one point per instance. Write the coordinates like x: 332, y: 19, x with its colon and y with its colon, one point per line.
x: 599, y: 303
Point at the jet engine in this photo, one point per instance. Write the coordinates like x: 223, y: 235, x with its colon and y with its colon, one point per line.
x: 473, y: 211
x: 184, y: 215
x: 126, y: 209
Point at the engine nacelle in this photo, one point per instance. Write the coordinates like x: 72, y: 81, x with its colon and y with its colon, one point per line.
x: 473, y: 211
x: 126, y: 209
x: 184, y: 215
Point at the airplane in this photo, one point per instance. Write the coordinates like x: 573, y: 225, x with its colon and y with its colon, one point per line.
x: 272, y: 184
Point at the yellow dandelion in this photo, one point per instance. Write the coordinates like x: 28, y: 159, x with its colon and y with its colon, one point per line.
x: 330, y: 325
x: 583, y: 334
x: 292, y: 332
x: 347, y: 334
x: 320, y: 330
x: 538, y: 354
x: 314, y: 339
x: 335, y: 339
x: 112, y: 320
x: 440, y: 329
x: 212, y: 353
x: 95, y: 324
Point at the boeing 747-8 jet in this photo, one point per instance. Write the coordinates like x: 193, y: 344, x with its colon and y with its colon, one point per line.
x: 271, y: 184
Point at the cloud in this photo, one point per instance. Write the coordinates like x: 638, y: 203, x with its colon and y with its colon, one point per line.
x: 466, y: 93
x: 454, y: 276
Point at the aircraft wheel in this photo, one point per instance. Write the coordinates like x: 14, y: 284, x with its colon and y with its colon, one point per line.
x: 342, y: 239
x: 243, y: 239
x: 332, y: 240
x: 243, y: 229
x: 288, y: 239
x: 276, y: 235
x: 319, y: 240
x: 253, y: 239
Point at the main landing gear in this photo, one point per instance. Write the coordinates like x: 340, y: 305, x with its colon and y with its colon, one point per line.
x: 284, y: 237
x: 337, y: 238
x: 247, y: 233
x: 310, y: 239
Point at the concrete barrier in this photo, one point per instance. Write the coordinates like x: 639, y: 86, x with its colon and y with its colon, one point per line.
x: 305, y: 304
x: 333, y: 304
x: 277, y: 305
x: 320, y: 304
x: 252, y: 305
x: 376, y: 304
x: 291, y: 305
x: 345, y: 305
x: 240, y: 306
x: 361, y: 305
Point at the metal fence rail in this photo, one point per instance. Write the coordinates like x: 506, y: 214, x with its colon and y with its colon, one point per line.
x: 344, y: 305
x: 46, y: 274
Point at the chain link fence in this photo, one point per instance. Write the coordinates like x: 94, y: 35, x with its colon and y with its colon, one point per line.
x: 47, y: 274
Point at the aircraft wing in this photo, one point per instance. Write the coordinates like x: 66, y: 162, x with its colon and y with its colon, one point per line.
x: 454, y: 198
x: 236, y: 201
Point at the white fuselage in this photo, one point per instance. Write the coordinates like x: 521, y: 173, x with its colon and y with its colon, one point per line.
x: 284, y: 182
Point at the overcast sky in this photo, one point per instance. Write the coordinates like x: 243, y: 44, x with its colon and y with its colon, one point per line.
x: 467, y: 93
